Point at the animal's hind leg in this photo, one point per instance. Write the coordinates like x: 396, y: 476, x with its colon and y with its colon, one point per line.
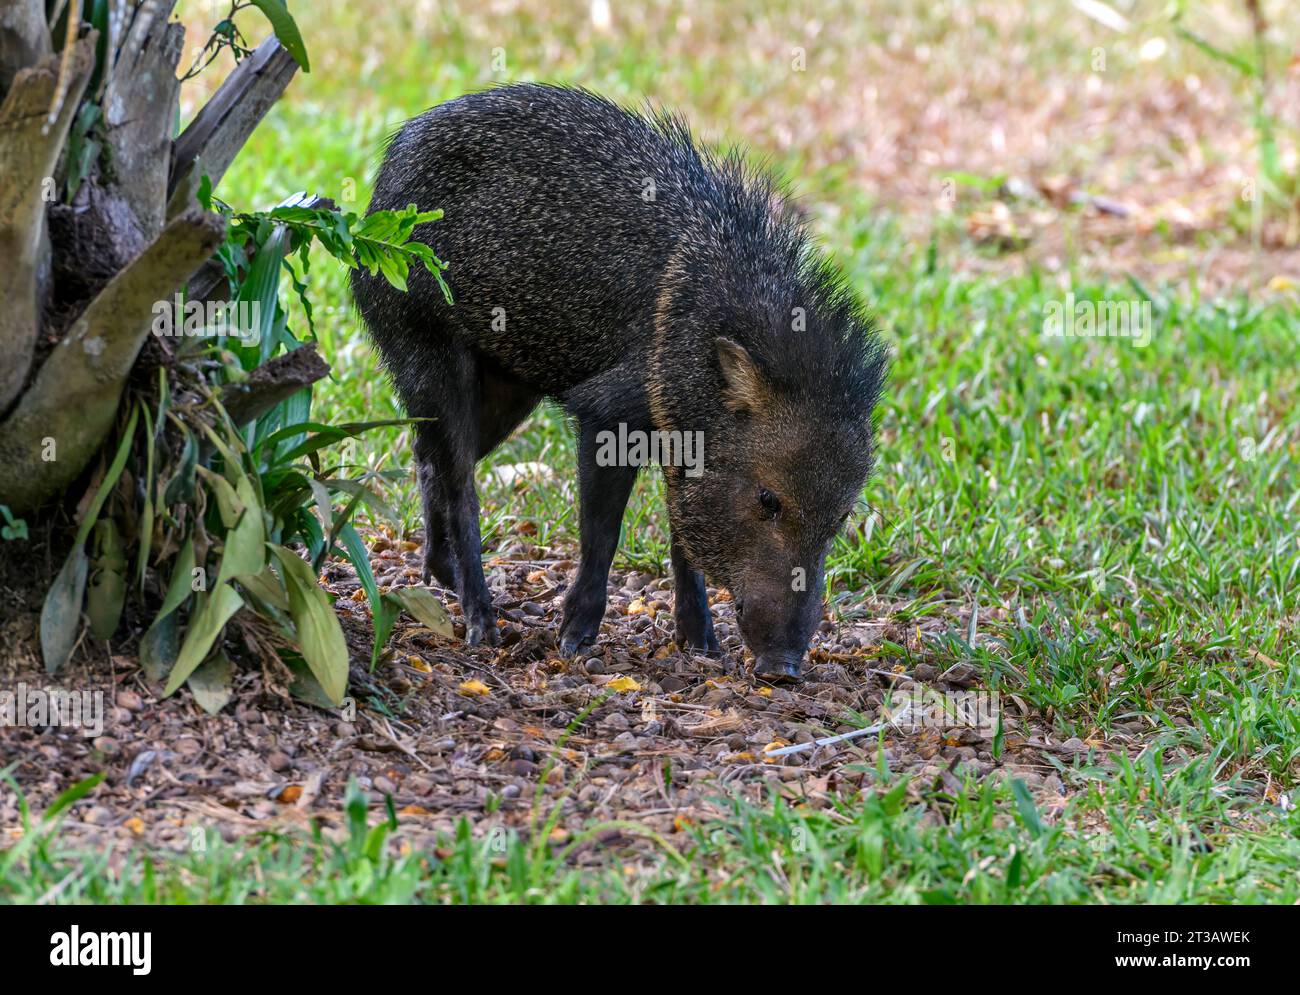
x: 466, y: 424
x: 446, y: 450
x: 438, y: 563
x: 503, y: 404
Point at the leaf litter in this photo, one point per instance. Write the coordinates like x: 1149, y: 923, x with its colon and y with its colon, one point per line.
x: 632, y: 730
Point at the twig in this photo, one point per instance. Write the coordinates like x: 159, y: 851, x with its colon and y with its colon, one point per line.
x: 387, y: 733
x: 785, y: 751
x: 65, y: 70
x: 54, y: 892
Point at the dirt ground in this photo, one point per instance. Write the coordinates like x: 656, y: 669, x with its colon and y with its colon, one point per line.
x: 491, y: 734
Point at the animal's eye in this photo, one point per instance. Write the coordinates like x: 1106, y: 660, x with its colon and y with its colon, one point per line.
x: 770, y: 502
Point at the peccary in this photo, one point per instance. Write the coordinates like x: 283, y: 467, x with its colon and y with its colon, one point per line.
x: 600, y: 258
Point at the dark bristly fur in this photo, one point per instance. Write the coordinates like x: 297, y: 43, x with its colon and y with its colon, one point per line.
x: 599, y: 257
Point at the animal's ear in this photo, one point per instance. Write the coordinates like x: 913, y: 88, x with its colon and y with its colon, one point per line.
x: 746, y: 392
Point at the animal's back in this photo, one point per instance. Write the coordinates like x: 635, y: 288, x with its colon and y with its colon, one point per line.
x: 561, y: 210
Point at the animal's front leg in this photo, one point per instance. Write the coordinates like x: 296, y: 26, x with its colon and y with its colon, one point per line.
x: 602, y: 494
x: 691, y: 607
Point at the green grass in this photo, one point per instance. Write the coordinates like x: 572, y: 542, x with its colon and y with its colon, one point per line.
x: 1154, y: 836
x: 1120, y: 521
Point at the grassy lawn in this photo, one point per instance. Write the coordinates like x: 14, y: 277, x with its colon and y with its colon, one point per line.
x: 1145, y: 834
x: 1107, y: 531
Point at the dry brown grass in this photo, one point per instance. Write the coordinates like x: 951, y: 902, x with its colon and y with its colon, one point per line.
x: 892, y: 100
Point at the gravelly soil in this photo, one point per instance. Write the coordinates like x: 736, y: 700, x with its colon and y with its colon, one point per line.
x: 450, y: 731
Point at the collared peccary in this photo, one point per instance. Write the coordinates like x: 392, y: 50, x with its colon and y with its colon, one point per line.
x: 600, y: 258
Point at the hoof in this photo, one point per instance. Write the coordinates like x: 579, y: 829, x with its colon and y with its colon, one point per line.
x: 482, y: 635
x: 697, y: 643
x: 571, y: 643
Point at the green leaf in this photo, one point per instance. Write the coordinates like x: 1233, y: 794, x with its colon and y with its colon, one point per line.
x: 293, y: 410
x: 229, y: 507
x: 286, y: 29
x: 107, y: 591
x: 211, y: 683
x: 1214, y: 52
x: 205, y: 192
x: 214, y: 611
x: 161, y: 643
x: 14, y: 528
x: 305, y: 687
x: 180, y: 488
x: 381, y: 242
x: 324, y: 504
x: 311, y: 534
x: 342, y: 518
x: 355, y: 487
x: 424, y: 607
x: 110, y: 478
x: 267, y: 588
x: 384, y: 617
x: 159, y: 646
x: 147, y: 514
x: 355, y: 803
x: 261, y: 287
x: 245, y: 551
x: 13, y: 855
x: 181, y: 584
x: 82, y: 150
x: 74, y: 794
x: 1028, y: 810
x: 98, y: 18
x: 61, y: 613
x: 1014, y: 870
x: 326, y: 435
x: 359, y: 557
x: 382, y: 613
x: 320, y: 637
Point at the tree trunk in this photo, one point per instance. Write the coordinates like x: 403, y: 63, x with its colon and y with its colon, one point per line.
x: 80, y: 281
